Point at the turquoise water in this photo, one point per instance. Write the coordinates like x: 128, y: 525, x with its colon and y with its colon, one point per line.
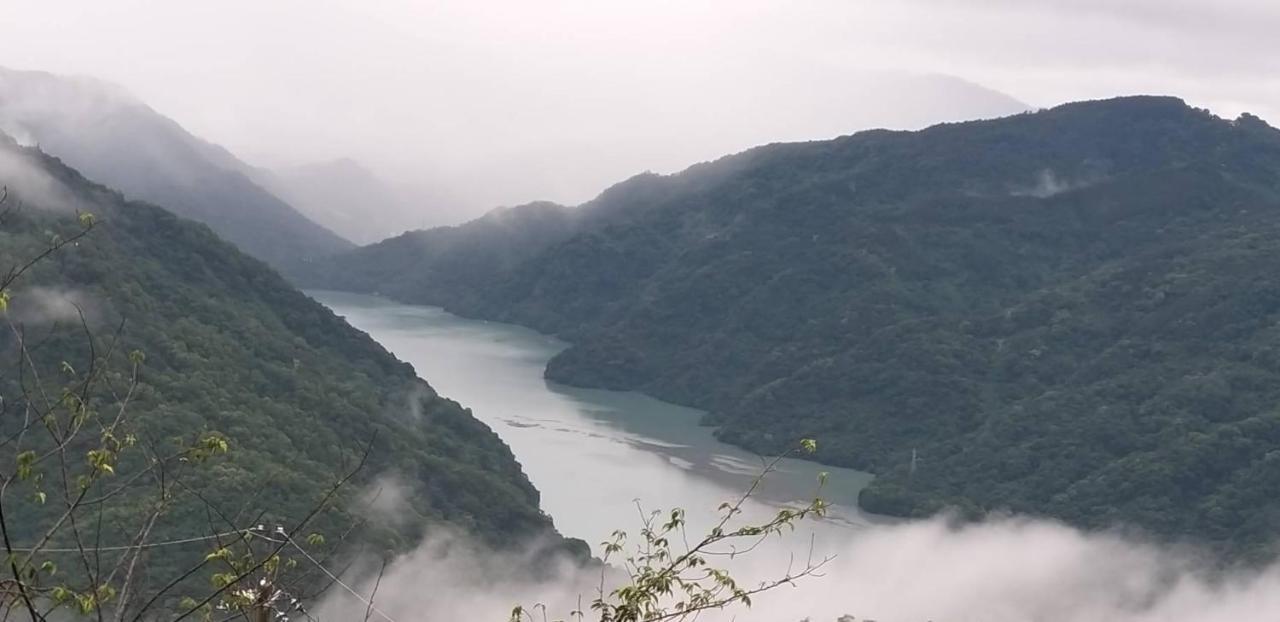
x: 594, y: 455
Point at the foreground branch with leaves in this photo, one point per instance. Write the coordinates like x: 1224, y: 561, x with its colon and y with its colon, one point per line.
x: 669, y: 577
x: 83, y: 486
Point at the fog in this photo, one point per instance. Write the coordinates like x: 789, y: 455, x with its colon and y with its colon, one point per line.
x: 38, y: 306
x: 471, y: 104
x: 490, y: 102
x: 26, y: 185
x: 1010, y: 570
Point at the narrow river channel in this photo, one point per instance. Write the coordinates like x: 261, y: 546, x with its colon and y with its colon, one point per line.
x: 593, y: 454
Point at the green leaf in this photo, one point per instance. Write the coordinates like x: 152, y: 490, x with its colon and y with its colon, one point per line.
x: 216, y: 444
x: 25, y: 460
x: 100, y: 460
x: 808, y: 445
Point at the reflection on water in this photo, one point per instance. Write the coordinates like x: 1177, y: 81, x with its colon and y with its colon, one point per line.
x: 595, y: 455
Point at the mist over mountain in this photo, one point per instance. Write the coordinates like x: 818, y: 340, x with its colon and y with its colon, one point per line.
x: 1064, y: 313
x: 553, y: 154
x: 112, y: 137
x: 354, y: 202
x: 667, y: 311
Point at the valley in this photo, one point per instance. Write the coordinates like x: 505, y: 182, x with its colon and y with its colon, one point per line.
x: 575, y: 311
x: 577, y: 444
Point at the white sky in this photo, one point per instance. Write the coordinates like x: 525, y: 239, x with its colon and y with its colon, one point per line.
x: 505, y: 101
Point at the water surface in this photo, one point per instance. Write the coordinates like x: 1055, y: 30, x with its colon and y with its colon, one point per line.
x: 593, y: 454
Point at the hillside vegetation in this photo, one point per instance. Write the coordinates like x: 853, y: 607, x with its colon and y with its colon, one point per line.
x: 1069, y: 313
x: 450, y: 259
x: 231, y: 348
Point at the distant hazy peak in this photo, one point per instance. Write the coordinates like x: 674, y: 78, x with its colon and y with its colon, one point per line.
x: 967, y: 98
x: 355, y: 201
x: 506, y: 211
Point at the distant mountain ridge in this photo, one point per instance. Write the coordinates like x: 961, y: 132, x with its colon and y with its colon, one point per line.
x: 1064, y: 313
x: 112, y: 137
x: 350, y: 199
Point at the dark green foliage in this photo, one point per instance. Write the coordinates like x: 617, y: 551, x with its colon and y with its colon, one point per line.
x: 450, y: 258
x: 231, y: 347
x: 1068, y: 313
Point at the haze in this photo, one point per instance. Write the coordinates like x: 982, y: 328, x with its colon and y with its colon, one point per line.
x: 482, y: 103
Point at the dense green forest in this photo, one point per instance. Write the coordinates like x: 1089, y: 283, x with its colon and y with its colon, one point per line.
x: 1070, y: 313
x: 232, y: 349
x: 450, y: 258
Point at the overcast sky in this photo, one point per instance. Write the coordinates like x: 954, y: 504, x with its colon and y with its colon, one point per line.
x: 509, y: 101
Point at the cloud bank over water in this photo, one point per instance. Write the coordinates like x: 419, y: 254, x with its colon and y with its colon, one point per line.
x: 1004, y: 570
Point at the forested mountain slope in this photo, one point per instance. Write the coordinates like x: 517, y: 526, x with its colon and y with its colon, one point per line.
x: 117, y: 140
x: 1069, y: 313
x: 230, y: 347
x: 450, y: 261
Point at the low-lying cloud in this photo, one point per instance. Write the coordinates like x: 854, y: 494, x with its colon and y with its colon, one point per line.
x: 449, y: 578
x: 1047, y: 184
x: 29, y: 186
x: 385, y: 503
x: 1004, y: 570
x: 41, y: 305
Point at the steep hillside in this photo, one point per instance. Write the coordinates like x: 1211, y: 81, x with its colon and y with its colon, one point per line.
x: 231, y: 347
x: 1069, y: 312
x: 117, y: 140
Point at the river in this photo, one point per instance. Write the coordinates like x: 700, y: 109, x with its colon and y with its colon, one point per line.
x: 593, y: 454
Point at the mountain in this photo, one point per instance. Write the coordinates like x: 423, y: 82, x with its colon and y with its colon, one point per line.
x: 351, y: 200
x: 566, y: 147
x: 1067, y: 313
x: 115, y: 139
x: 230, y: 347
x: 451, y: 258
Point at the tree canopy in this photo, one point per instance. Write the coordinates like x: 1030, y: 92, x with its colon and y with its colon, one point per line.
x: 226, y: 349
x: 1068, y: 313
